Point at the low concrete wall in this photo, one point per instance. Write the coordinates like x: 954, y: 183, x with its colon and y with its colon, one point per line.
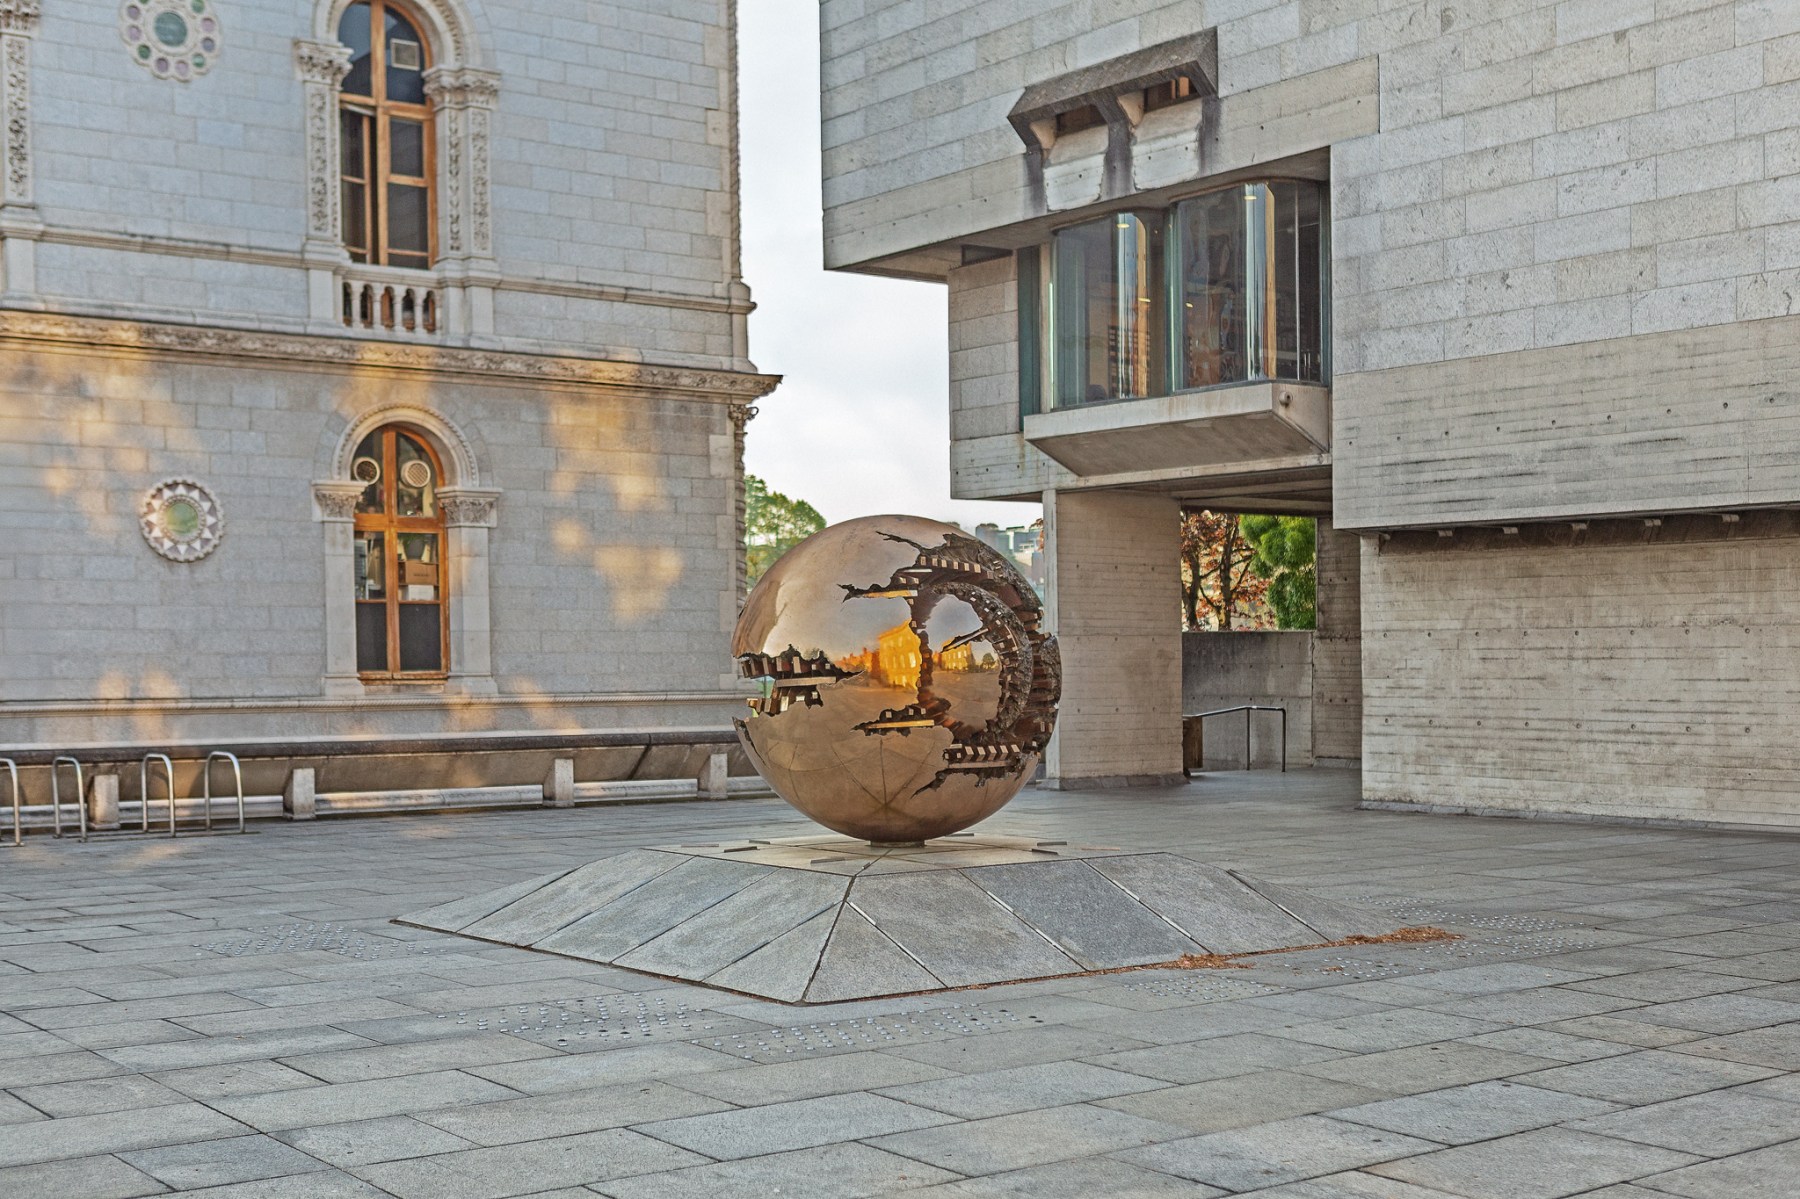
x: 1222, y: 670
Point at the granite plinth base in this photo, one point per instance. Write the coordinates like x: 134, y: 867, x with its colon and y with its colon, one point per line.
x: 828, y: 918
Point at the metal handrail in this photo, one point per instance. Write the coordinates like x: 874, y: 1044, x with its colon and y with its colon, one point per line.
x: 1246, y: 709
x: 238, y: 771
x: 12, y: 768
x: 56, y: 794
x: 168, y: 769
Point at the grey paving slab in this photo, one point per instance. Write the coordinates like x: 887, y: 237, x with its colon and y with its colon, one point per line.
x: 1424, y: 1067
x: 197, y: 1164
x: 1002, y: 1143
x: 1477, y: 1112
x: 1246, y: 1159
x: 1540, y: 1005
x: 1720, y: 1014
x: 51, y: 1067
x: 1217, y: 1057
x: 97, y: 1095
x: 651, y: 909
x: 365, y: 1142
x: 1352, y: 1184
x: 1228, y: 1103
x: 1760, y: 1174
x: 219, y: 1051
x: 459, y: 913
x: 237, y: 1078
x: 562, y: 1113
x: 1542, y: 1164
x: 1206, y: 903
x: 561, y: 901
x: 1777, y: 1047
x: 1028, y: 1046
x: 783, y: 968
x: 134, y: 1032
x: 1084, y: 1179
x: 1022, y: 1088
x: 1647, y: 1076
x: 112, y: 1132
x: 859, y: 960
x: 1665, y: 986
x: 1543, y: 1043
x: 846, y: 1171
x: 1375, y: 1032
x: 586, y: 1070
x: 390, y: 1061
x: 17, y: 1111
x: 1714, y: 1124
x: 1089, y: 917
x: 337, y: 1102
x: 918, y: 911
x: 102, y: 1177
x: 1333, y: 921
x: 800, y: 1124
x: 325, y: 1184
x: 808, y: 1078
x: 739, y: 925
x: 1625, y: 1031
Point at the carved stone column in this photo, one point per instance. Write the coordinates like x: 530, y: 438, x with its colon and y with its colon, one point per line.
x: 741, y: 415
x: 463, y: 101
x: 334, y: 507
x: 469, y: 512
x: 322, y: 67
x: 19, y: 223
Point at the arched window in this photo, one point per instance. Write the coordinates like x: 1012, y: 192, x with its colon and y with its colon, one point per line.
x: 401, y: 631
x: 386, y: 142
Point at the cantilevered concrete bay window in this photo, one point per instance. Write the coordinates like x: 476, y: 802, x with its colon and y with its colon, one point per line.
x: 1173, y: 339
x: 1223, y: 288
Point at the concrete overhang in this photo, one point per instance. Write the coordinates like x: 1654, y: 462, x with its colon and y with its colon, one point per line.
x: 1221, y: 425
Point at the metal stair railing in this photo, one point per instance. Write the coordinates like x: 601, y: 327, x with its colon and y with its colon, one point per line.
x: 56, y: 794
x: 1199, y: 718
x: 168, y: 773
x: 237, y: 771
x: 12, y: 768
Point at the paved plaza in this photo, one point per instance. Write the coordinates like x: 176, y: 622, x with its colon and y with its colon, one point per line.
x: 236, y: 1017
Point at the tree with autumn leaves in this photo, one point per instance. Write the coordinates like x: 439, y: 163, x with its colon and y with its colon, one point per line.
x: 1251, y: 572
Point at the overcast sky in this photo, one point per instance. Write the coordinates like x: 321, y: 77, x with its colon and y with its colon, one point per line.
x: 861, y: 424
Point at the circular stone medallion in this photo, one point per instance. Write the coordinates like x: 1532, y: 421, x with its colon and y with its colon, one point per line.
x: 181, y: 520
x: 173, y: 39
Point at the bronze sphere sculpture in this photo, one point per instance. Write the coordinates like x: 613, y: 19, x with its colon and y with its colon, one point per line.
x: 906, y: 685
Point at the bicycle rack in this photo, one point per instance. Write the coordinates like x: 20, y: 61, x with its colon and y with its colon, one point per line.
x: 168, y: 771
x: 237, y: 772
x: 56, y: 795
x: 12, y: 768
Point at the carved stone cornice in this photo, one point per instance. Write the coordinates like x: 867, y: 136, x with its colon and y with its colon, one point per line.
x: 335, y: 499
x: 464, y: 507
x: 462, y: 85
x: 19, y: 16
x: 349, y: 354
x: 319, y: 62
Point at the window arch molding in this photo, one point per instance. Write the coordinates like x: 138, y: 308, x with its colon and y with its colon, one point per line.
x: 463, y: 90
x: 470, y: 512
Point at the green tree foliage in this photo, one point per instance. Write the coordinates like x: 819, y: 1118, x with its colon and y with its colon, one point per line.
x: 773, y: 525
x: 1286, y: 555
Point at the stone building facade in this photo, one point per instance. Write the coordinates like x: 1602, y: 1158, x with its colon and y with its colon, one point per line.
x: 1507, y: 291
x: 368, y: 368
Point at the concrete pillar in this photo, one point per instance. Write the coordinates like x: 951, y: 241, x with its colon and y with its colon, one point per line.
x: 1114, y: 602
x: 1337, y: 650
x: 300, y: 801
x: 103, y: 802
x: 715, y: 777
x: 559, y: 784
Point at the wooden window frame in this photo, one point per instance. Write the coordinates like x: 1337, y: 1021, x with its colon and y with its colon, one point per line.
x: 391, y: 525
x: 378, y: 112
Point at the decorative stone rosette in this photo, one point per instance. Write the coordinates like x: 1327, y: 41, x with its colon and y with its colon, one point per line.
x: 181, y: 520
x: 172, y: 39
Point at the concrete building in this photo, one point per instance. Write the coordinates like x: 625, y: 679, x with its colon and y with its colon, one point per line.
x: 1505, y: 290
x: 369, y: 369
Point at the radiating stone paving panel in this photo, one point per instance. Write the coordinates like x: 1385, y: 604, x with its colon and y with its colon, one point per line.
x: 652, y: 909
x: 1206, y: 903
x: 563, y: 900
x: 1086, y: 914
x: 738, y: 925
x: 956, y: 930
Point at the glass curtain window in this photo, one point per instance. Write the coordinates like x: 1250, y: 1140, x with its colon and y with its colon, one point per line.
x: 1108, y: 299
x: 401, y: 631
x: 1296, y: 266
x: 385, y: 138
x: 1214, y: 317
